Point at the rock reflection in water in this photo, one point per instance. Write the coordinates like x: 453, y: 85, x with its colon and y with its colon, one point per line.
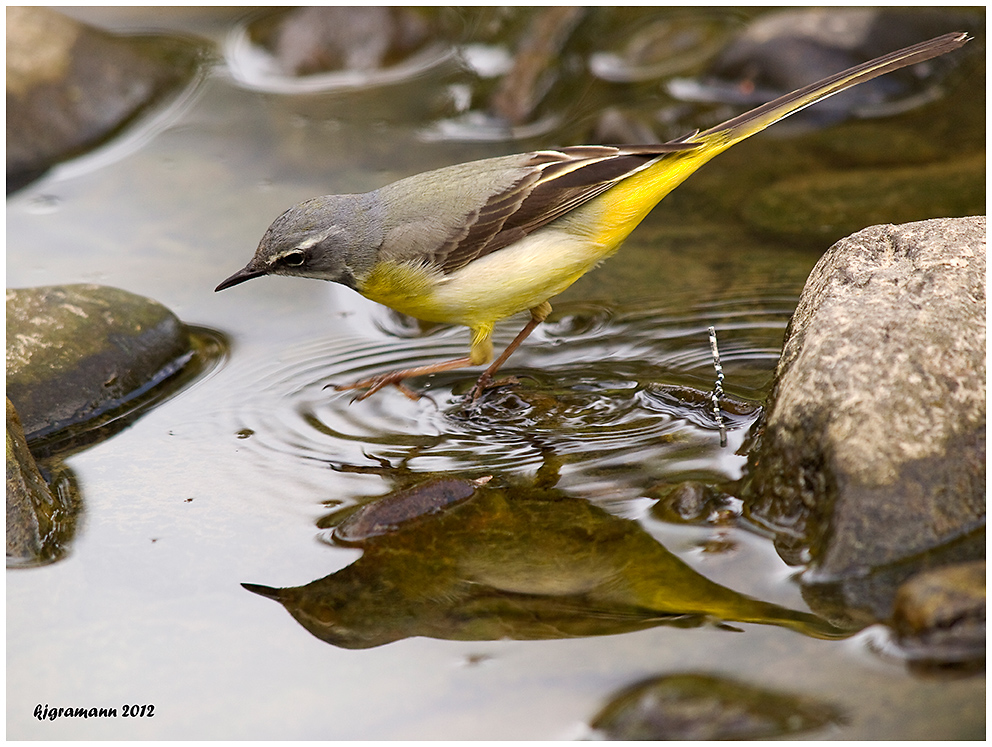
x: 699, y: 706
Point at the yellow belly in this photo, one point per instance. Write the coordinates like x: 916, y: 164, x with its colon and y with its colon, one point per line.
x: 539, y: 266
x: 491, y: 288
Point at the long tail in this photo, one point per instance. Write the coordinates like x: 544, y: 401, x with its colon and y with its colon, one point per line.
x: 634, y: 197
x: 627, y: 203
x: 734, y: 130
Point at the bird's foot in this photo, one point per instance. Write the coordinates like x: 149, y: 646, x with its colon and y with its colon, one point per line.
x: 373, y: 384
x: 486, y: 382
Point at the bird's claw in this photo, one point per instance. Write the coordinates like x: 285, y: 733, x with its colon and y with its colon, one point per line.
x: 486, y: 382
x: 373, y: 384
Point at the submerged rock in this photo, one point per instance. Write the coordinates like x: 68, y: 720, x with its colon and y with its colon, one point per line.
x: 311, y: 40
x: 697, y: 706
x: 688, y: 502
x: 939, y: 615
x: 69, y: 86
x: 805, y: 208
x: 391, y: 512
x: 785, y: 50
x: 76, y: 352
x: 872, y: 447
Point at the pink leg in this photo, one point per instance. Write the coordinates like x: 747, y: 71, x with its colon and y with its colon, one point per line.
x: 538, y: 315
x: 374, y: 383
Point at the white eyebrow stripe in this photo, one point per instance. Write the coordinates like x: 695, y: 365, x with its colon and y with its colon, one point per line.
x: 311, y: 240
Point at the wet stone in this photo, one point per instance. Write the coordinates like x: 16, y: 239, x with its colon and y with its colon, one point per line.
x: 389, y: 513
x: 872, y: 447
x: 691, y: 501
x: 698, y: 707
x: 312, y: 40
x: 786, y: 50
x: 26, y: 491
x: 860, y: 601
x: 40, y: 518
x: 696, y: 406
x: 75, y: 352
x: 939, y: 615
x: 70, y: 87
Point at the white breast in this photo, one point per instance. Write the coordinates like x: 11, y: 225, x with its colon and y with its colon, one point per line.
x: 516, y: 278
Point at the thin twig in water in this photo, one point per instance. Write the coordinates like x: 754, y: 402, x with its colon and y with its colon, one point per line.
x: 717, y: 392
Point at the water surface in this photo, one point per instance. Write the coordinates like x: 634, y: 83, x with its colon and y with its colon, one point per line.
x: 242, y: 477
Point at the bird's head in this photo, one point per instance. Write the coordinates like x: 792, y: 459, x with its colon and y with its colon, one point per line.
x: 333, y: 237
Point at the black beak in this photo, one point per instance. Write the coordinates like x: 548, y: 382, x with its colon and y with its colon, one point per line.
x: 240, y: 276
x: 266, y: 591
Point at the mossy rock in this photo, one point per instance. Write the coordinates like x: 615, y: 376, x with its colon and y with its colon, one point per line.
x: 76, y: 352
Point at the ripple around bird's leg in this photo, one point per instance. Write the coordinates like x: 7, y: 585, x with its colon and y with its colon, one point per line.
x: 602, y: 388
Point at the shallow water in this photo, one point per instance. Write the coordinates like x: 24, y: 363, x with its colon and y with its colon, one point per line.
x: 242, y: 476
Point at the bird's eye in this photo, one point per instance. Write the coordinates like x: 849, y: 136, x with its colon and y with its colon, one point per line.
x: 294, y: 259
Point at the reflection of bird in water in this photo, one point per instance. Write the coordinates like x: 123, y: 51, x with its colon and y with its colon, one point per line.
x: 518, y: 562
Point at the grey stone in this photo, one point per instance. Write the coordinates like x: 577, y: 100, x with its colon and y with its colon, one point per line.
x: 319, y: 39
x: 26, y: 492
x: 784, y: 50
x: 75, y: 352
x: 43, y: 503
x: 69, y: 86
x: 858, y: 601
x: 872, y: 447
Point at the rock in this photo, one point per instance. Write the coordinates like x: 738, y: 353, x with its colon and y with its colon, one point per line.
x: 785, y: 50
x: 75, y: 352
x: 26, y: 490
x: 40, y: 520
x: 688, y: 502
x: 70, y: 87
x: 322, y: 39
x: 856, y: 602
x: 391, y: 512
x: 696, y: 707
x: 872, y: 447
x: 939, y: 615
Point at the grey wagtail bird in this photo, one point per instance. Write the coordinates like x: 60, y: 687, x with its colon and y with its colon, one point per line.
x: 474, y: 243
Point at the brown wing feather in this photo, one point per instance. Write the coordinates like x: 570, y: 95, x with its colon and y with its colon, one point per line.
x: 485, y: 224
x: 558, y: 181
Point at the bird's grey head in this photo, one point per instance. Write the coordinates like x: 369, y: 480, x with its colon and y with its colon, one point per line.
x: 334, y: 237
